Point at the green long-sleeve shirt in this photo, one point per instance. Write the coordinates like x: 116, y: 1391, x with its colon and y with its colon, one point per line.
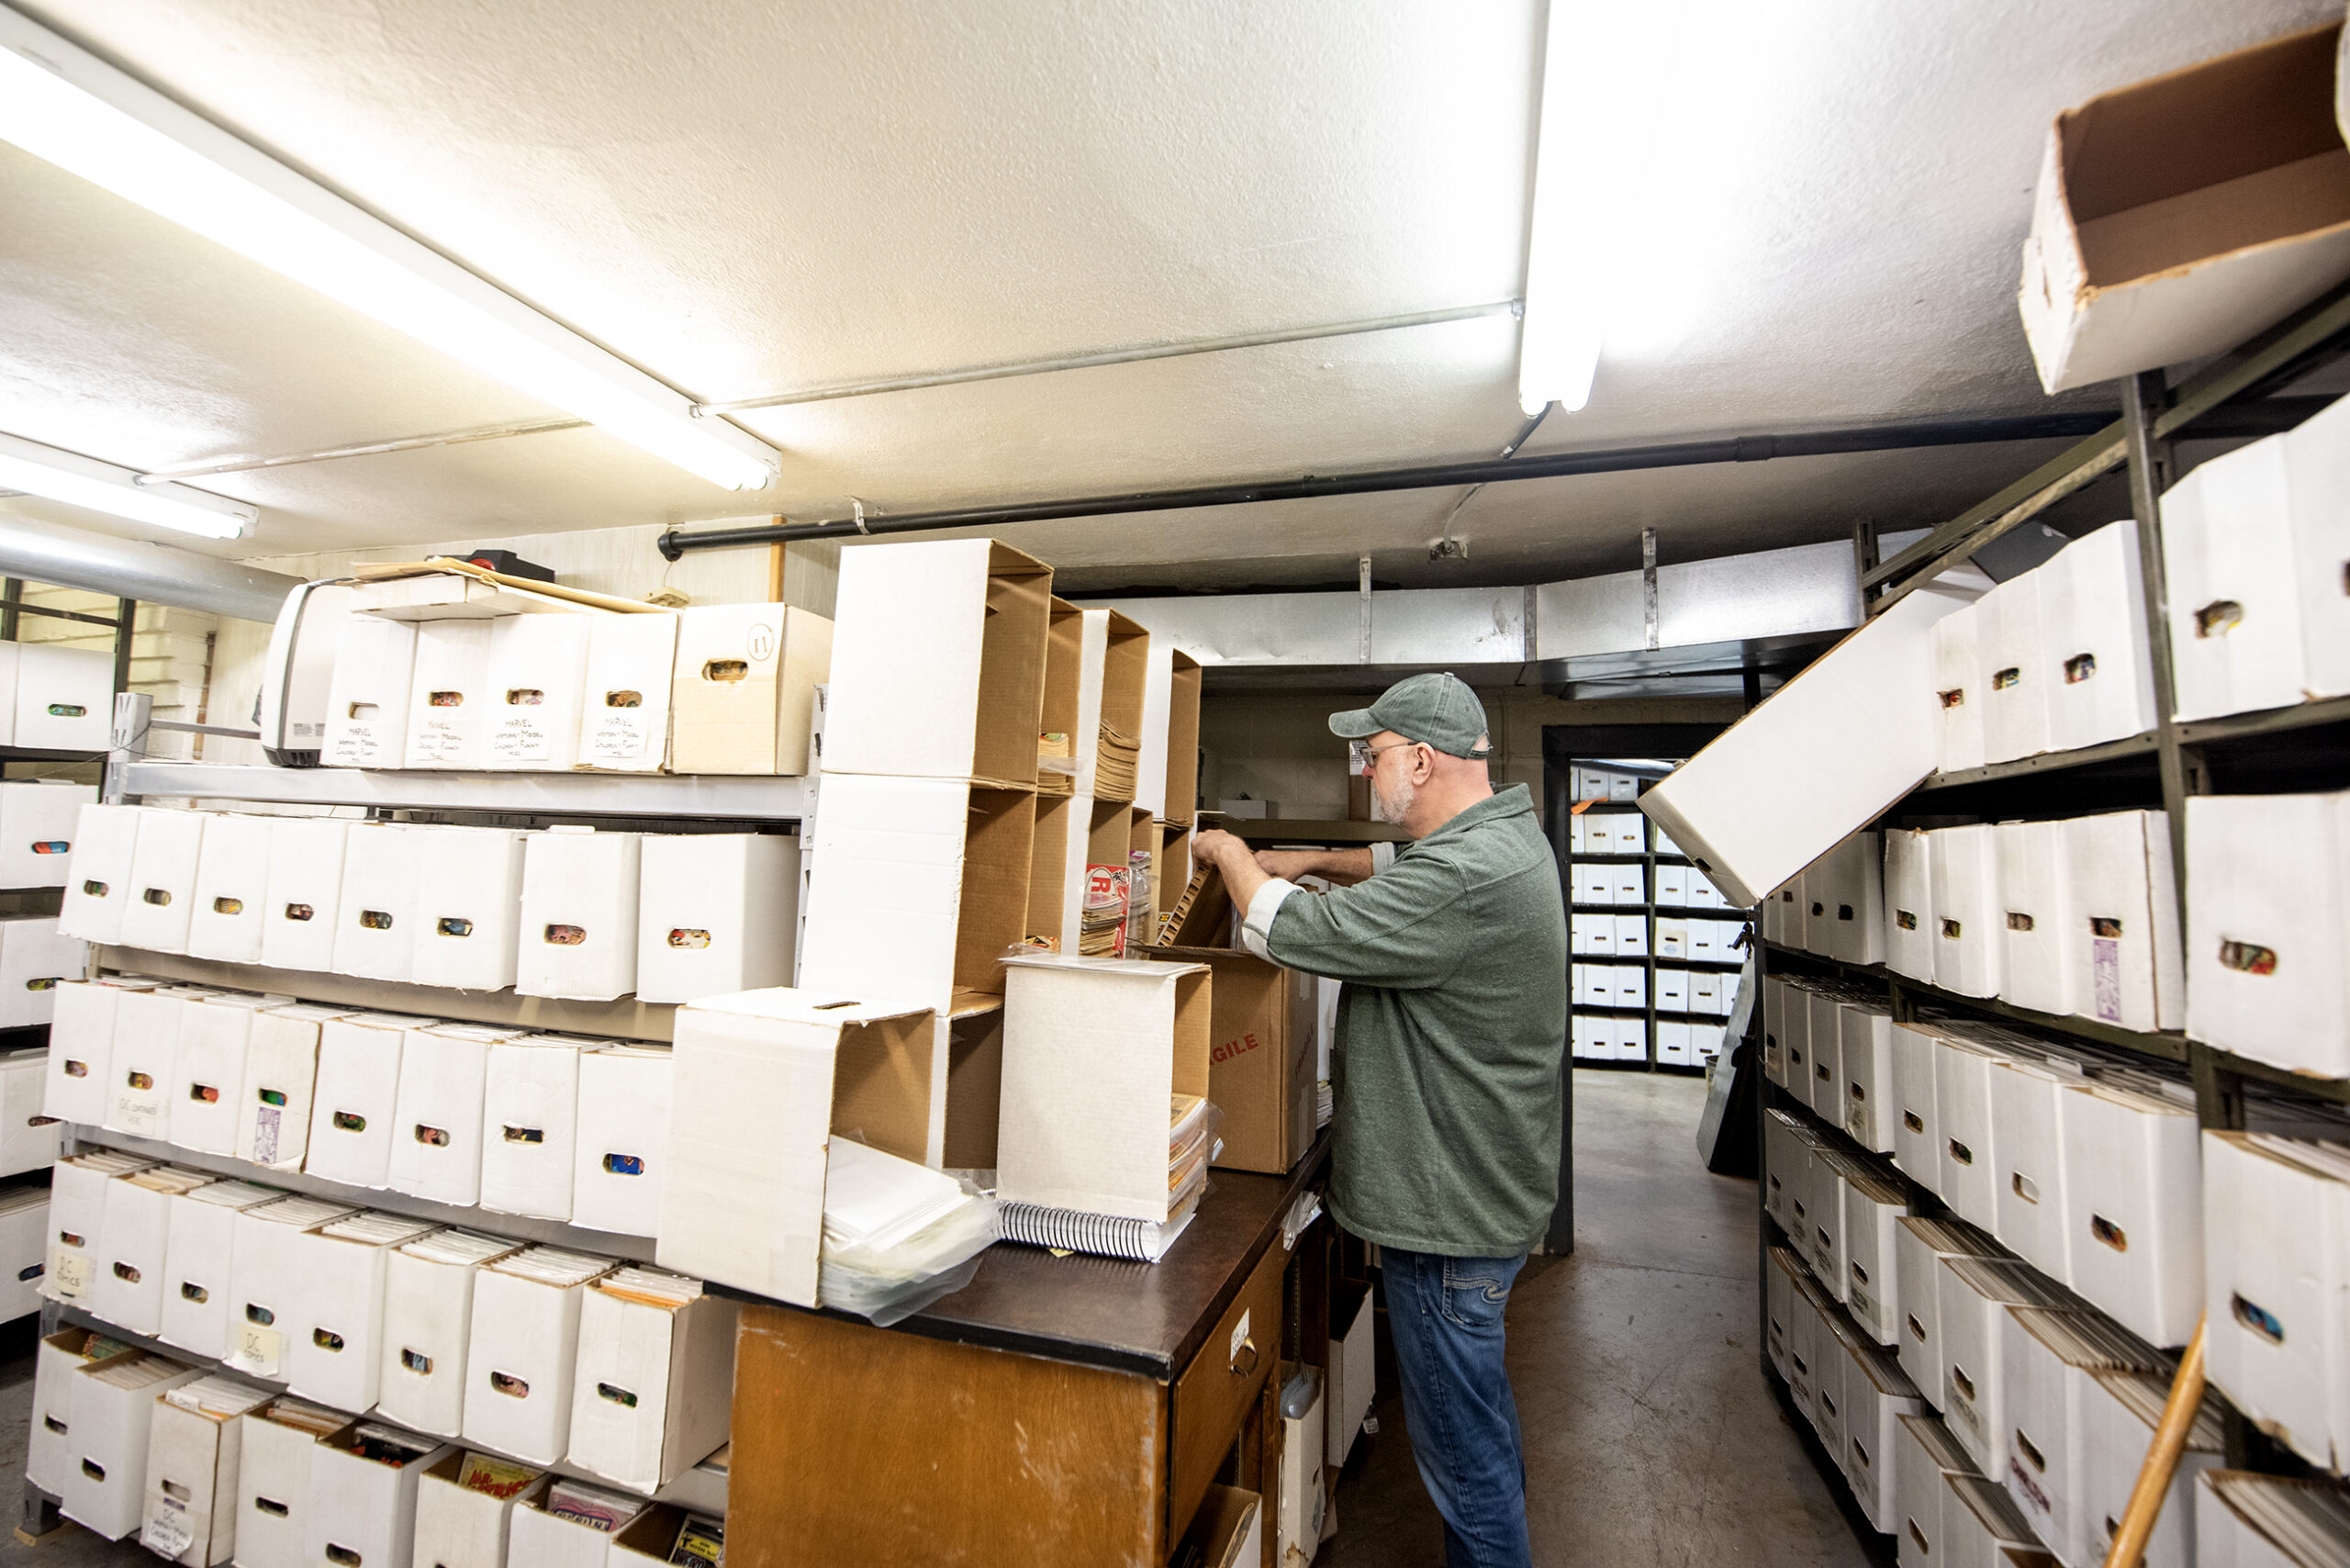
x: 1452, y: 1033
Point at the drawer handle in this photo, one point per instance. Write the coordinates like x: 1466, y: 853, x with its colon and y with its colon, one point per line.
x: 1249, y: 1349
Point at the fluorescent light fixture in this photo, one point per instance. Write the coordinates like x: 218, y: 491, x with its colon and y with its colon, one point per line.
x: 60, y: 102
x: 1558, y: 343
x: 81, y: 481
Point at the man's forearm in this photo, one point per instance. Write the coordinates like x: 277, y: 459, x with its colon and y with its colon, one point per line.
x: 1344, y: 866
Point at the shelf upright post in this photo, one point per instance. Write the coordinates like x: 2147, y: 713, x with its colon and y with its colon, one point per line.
x: 2218, y: 1093
x: 1648, y: 913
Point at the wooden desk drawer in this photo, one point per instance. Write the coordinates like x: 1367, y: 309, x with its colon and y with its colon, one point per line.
x: 1214, y: 1393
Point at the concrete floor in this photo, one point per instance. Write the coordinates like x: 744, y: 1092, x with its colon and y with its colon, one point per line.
x: 1651, y: 1436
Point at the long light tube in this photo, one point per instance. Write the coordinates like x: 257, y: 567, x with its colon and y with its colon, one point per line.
x: 1558, y: 343
x: 60, y: 102
x: 81, y: 481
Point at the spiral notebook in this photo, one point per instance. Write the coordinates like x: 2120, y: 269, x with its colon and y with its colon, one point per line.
x: 1104, y: 1236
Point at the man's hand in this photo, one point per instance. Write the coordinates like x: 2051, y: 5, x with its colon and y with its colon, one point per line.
x: 1290, y: 864
x: 1219, y: 849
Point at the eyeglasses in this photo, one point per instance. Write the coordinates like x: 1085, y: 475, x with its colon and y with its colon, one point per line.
x: 1362, y: 759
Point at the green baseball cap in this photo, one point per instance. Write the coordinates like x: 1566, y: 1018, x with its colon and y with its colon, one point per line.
x: 1438, y: 709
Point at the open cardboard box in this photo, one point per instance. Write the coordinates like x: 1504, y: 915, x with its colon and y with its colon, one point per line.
x: 1064, y: 654
x: 938, y: 662
x: 2178, y: 216
x: 1111, y: 669
x: 1170, y: 772
x: 745, y: 688
x: 763, y: 1078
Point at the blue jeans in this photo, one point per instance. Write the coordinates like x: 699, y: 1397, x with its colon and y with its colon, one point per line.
x: 1446, y: 1315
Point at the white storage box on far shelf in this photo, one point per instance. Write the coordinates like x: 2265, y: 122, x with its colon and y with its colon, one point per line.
x: 2273, y: 1302
x: 361, y: 1508
x: 428, y: 1323
x: 281, y: 1082
x: 1877, y: 1395
x: 538, y: 688
x: 1752, y: 809
x: 376, y: 925
x: 654, y: 1378
x: 938, y: 660
x: 334, y: 1343
x: 39, y: 819
x: 1855, y: 911
x: 98, y: 874
x: 621, y: 1144
x: 2035, y: 933
x: 199, y: 1233
x: 141, y: 1067
x: 747, y: 676
x: 231, y: 897
x: 48, y: 1448
x: 265, y: 1282
x: 530, y: 1120
x: 2013, y: 664
x: 717, y: 912
x: 624, y: 726
x: 2093, y: 601
x: 305, y: 898
x: 437, y: 1116
x: 205, y: 1093
x: 522, y: 1352
x: 761, y: 1079
x: 1974, y: 1296
x: 163, y: 879
x: 2178, y: 216
x: 450, y: 701
x: 1958, y: 689
x: 1969, y: 916
x: 64, y: 697
x: 1918, y: 1247
x: 2134, y: 1192
x: 127, y: 1285
x: 1875, y: 1205
x: 374, y: 661
x: 2235, y: 631
x: 1911, y: 932
x: 1970, y: 1168
x: 2122, y: 941
x: 2267, y: 927
x: 577, y: 925
x: 354, y: 1101
x: 81, y: 1050
x: 2028, y: 1102
x: 469, y: 899
x: 1870, y: 1110
x: 34, y: 961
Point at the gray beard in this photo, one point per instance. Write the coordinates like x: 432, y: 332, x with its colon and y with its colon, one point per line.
x: 1394, y: 807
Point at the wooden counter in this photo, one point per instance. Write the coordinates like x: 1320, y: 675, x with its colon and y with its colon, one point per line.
x: 1058, y: 1410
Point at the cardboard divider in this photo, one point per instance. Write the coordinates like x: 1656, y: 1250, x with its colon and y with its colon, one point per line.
x: 881, y: 1078
x: 974, y: 1085
x: 1183, y: 741
x: 1011, y: 666
x: 1048, y: 866
x: 1064, y: 651
x: 992, y: 911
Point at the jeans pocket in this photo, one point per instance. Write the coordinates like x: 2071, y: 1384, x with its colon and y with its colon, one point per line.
x: 1476, y: 1290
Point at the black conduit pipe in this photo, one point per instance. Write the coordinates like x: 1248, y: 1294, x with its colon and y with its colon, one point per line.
x: 1487, y: 471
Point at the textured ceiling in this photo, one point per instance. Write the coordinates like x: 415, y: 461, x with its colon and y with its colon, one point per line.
x: 1819, y: 205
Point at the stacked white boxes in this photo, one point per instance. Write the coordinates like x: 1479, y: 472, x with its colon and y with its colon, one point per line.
x: 428, y: 1327
x: 2275, y: 1212
x: 2267, y: 927
x: 2047, y: 1357
x: 199, y: 1241
x: 522, y: 1352
x: 621, y: 1145
x: 335, y: 1346
x: 530, y: 1123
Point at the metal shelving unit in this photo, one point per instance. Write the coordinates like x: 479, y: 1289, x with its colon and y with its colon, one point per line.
x: 2295, y: 747
x: 699, y: 796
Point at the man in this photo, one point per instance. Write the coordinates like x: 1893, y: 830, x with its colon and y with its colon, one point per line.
x: 1452, y: 1038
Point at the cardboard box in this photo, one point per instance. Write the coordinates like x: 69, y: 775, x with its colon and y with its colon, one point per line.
x: 2274, y: 1214
x: 1925, y: 1456
x: 537, y: 1538
x: 653, y: 1387
x: 451, y: 704
x: 538, y: 691
x: 974, y: 1045
x: 205, y: 1093
x: 1778, y: 1286
x: 24, y: 1251
x: 1829, y: 1361
x: 106, y: 1482
x: 1869, y: 1106
x: 1749, y: 813
x: 1776, y: 998
x: 146, y: 1051
x: 1631, y: 985
x: 2121, y: 1424
x: 428, y: 1327
x: 1975, y: 1294
x: 191, y: 1489
x: 1260, y: 1063
x: 199, y: 1235
x: 580, y: 895
x: 1876, y: 1396
x: 521, y: 1358
x: 468, y: 903
x: 2035, y: 884
x: 436, y: 1123
x: 76, y: 1218
x: 1227, y: 1533
x: 265, y: 1283
x: 1856, y: 932
x: 530, y: 1125
x: 361, y: 1512
x: 2268, y: 927
x: 34, y: 960
x: 623, y: 1144
x: 921, y: 884
x: 97, y: 876
x: 49, y: 1446
x: 1168, y: 777
x: 1112, y: 667
x: 305, y: 898
x: 1304, y: 1498
x: 281, y: 1082
x: 1806, y: 1305
x: 375, y: 928
x: 1919, y: 1248
x: 1591, y: 934
x: 2009, y: 630
x: 1631, y: 1040
x: 1832, y: 1171
x: 2134, y: 1192
x: 28, y: 1136
x: 745, y: 680
x: 64, y: 698
x: 2178, y: 216
x: 1958, y: 689
x: 1825, y: 1054
x: 2228, y: 1533
x: 457, y: 1527
x: 1969, y: 914
x: 631, y: 670
x: 1979, y: 1525
x: 2047, y: 1358
x: 2236, y: 642
x: 1353, y: 1371
x: 334, y: 1348
x: 761, y: 1080
x: 1875, y: 1205
x: 227, y: 899
x: 273, y: 1492
x: 2317, y: 460
x: 354, y: 1105
x: 127, y: 1285
x: 938, y: 662
x: 717, y: 912
x: 2123, y: 943
x: 374, y: 662
x: 163, y: 879
x: 2093, y: 601
x: 1970, y: 1169
x: 1632, y: 935
x: 2028, y: 1101
x: 39, y: 821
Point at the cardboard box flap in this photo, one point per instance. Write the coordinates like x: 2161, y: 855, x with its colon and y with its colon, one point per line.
x: 1203, y: 916
x: 514, y: 596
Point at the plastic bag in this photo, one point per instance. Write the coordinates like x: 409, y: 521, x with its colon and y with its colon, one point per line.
x: 888, y: 1285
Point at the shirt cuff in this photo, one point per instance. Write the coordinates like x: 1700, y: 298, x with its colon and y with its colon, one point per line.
x: 1258, y: 929
x: 1383, y: 856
